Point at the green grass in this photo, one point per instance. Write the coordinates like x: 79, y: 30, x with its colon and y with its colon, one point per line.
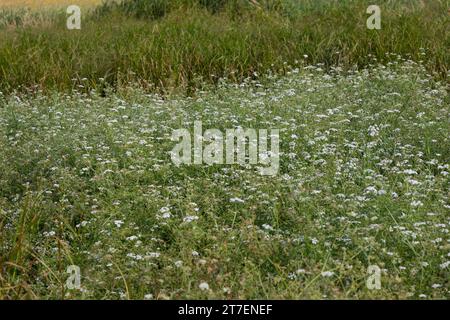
x: 363, y: 181
x: 181, y: 45
x: 86, y: 177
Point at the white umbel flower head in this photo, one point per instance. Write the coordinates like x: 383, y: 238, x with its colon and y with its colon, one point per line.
x: 203, y: 286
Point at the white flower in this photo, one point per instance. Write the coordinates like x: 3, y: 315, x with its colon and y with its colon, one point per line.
x: 166, y: 215
x: 292, y: 276
x: 195, y: 253
x: 416, y: 204
x: 371, y: 189
x: 236, y: 200
x: 164, y: 210
x: 373, y: 131
x: 152, y: 255
x: 118, y: 223
x: 327, y: 274
x: 413, y: 182
x: 203, y: 286
x: 188, y: 219
x: 148, y: 296
x: 178, y: 263
x: 134, y: 256
x: 49, y: 234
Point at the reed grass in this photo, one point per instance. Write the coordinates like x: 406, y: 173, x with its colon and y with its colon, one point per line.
x: 184, y: 44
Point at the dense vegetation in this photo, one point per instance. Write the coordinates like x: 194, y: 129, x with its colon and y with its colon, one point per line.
x: 182, y: 44
x: 364, y: 178
x: 86, y: 177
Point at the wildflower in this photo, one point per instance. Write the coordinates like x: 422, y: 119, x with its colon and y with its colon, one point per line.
x: 416, y: 203
x: 49, y: 234
x: 188, y: 219
x: 152, y: 255
x: 178, y: 263
x: 118, y: 223
x: 292, y: 276
x: 166, y: 215
x: 134, y: 256
x: 195, y: 253
x: 371, y: 190
x: 203, y: 286
x: 373, y: 131
x: 413, y: 182
x: 164, y: 210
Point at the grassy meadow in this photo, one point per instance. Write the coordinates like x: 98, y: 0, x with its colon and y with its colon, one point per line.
x: 86, y: 176
x: 180, y: 45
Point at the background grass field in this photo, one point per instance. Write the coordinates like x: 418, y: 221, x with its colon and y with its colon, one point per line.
x: 183, y: 44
